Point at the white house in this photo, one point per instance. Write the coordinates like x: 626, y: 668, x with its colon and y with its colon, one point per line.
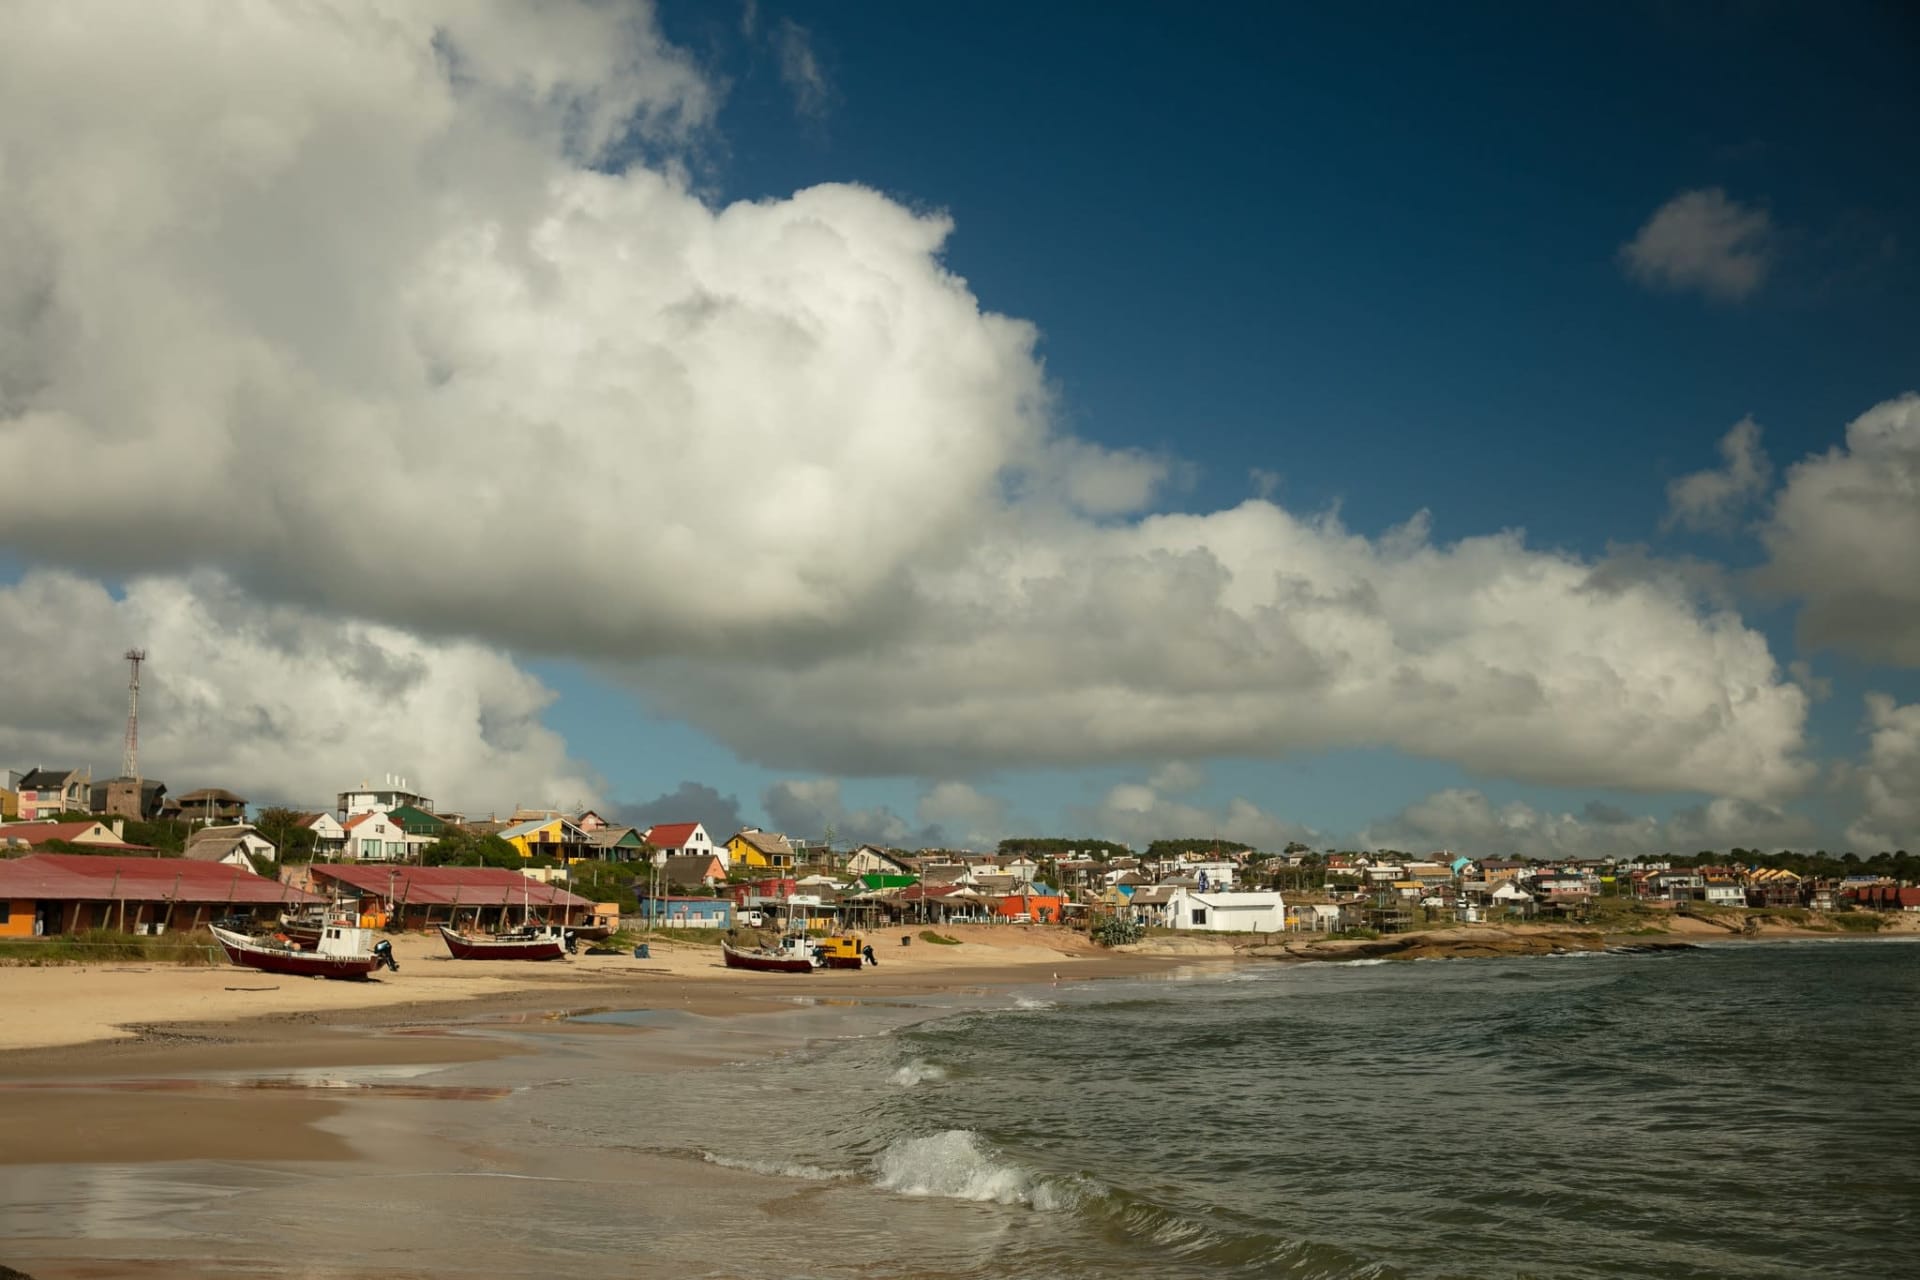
x: 1259, y: 912
x: 329, y: 837
x: 229, y: 845
x: 871, y: 859
x: 383, y: 799
x: 684, y: 840
x: 374, y: 837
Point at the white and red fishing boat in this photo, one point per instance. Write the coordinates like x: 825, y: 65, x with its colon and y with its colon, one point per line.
x: 533, y: 942
x: 795, y: 955
x: 342, y: 952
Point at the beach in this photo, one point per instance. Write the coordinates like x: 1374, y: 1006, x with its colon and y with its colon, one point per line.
x: 613, y: 1116
x: 238, y: 1077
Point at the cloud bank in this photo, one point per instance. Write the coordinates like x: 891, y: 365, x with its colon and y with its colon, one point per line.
x: 271, y: 701
x: 371, y: 310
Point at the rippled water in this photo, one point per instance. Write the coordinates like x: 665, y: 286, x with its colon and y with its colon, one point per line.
x: 1738, y: 1111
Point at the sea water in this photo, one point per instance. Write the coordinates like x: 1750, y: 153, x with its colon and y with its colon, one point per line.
x: 1747, y: 1110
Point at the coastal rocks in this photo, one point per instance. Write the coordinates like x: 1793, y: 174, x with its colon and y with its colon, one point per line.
x: 1455, y: 944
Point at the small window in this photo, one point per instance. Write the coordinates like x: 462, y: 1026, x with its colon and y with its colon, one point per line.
x: 1199, y: 915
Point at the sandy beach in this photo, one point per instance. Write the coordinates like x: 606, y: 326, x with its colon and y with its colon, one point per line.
x: 143, y: 1086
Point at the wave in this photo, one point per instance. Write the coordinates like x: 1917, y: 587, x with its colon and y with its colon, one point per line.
x: 1030, y: 1004
x: 956, y: 1165
x: 918, y: 1071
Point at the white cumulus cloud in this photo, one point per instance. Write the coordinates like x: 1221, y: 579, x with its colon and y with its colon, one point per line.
x: 1844, y: 537
x: 274, y: 702
x: 1702, y: 240
x: 1137, y: 814
x: 1886, y: 781
x: 369, y: 307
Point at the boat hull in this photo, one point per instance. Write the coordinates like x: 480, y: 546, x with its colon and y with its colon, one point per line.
x: 467, y: 948
x: 842, y: 962
x: 245, y: 951
x: 765, y: 964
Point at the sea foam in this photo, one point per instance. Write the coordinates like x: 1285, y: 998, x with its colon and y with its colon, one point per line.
x: 916, y: 1072
x: 956, y: 1165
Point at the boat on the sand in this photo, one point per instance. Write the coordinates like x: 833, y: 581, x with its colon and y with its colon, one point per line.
x: 342, y: 952
x: 532, y: 942
x: 794, y: 955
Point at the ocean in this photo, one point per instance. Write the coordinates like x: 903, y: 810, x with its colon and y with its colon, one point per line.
x: 1740, y: 1110
x: 1747, y: 1110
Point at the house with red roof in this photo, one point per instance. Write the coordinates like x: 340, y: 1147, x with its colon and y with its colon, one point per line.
x: 460, y: 897
x: 683, y: 839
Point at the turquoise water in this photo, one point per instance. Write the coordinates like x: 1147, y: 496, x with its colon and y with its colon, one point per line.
x: 1747, y: 1111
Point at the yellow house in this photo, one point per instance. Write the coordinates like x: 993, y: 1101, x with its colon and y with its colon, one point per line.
x: 552, y: 837
x: 9, y: 805
x: 763, y: 850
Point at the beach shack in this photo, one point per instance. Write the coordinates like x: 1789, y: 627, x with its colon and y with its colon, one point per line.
x: 1260, y: 911
x: 47, y: 893
x: 679, y: 911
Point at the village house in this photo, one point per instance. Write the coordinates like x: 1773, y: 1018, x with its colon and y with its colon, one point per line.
x: 1258, y: 912
x: 44, y: 792
x: 137, y: 798
x: 209, y: 806
x: 551, y: 836
x: 382, y: 799
x: 759, y: 850
x: 234, y: 846
x: 691, y: 870
x: 872, y: 858
x: 329, y: 837
x: 373, y: 837
x: 675, y: 911
x: 616, y: 844
x: 682, y: 839
x: 94, y: 835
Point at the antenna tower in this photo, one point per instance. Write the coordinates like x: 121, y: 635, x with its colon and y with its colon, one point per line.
x: 130, y: 764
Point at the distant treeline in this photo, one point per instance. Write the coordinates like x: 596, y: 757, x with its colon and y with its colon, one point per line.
x: 1194, y: 844
x: 1060, y: 846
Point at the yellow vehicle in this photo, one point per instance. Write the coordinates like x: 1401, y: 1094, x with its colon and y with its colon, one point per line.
x: 843, y: 951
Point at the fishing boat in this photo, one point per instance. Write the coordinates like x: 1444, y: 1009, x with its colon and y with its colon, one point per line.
x: 343, y: 951
x: 530, y: 942
x: 794, y: 955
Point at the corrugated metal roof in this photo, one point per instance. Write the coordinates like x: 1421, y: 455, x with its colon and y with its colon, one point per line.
x: 81, y: 877
x: 450, y: 886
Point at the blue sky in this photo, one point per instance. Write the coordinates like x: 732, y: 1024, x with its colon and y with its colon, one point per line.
x: 1373, y: 253
x: 1376, y: 469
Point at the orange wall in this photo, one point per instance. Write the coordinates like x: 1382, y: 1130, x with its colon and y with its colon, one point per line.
x: 1032, y: 906
x: 20, y: 921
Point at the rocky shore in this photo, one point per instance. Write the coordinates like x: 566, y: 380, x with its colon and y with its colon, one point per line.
x: 1460, y: 944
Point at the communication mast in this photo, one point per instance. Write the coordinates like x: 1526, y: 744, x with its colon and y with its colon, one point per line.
x: 130, y: 764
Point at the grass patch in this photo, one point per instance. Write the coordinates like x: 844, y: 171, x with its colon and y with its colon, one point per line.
x: 109, y: 946
x: 938, y: 940
x: 1859, y: 921
x: 1355, y: 935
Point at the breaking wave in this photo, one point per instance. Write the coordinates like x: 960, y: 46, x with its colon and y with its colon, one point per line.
x: 918, y: 1071
x: 956, y: 1165
x: 1030, y: 1004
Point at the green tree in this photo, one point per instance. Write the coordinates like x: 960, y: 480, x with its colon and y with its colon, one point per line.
x: 281, y: 825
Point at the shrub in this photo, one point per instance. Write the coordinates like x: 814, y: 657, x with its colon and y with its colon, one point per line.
x: 1116, y: 931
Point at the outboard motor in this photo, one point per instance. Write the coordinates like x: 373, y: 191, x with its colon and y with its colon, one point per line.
x: 383, y: 955
x: 571, y: 948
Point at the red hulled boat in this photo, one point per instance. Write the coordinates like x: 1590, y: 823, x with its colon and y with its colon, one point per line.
x: 796, y: 956
x: 342, y: 952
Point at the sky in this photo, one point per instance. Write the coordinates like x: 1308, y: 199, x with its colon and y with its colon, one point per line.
x: 1401, y: 427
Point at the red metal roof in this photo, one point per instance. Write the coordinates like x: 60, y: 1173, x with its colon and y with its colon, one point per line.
x: 448, y: 886
x: 671, y: 835
x: 86, y: 877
